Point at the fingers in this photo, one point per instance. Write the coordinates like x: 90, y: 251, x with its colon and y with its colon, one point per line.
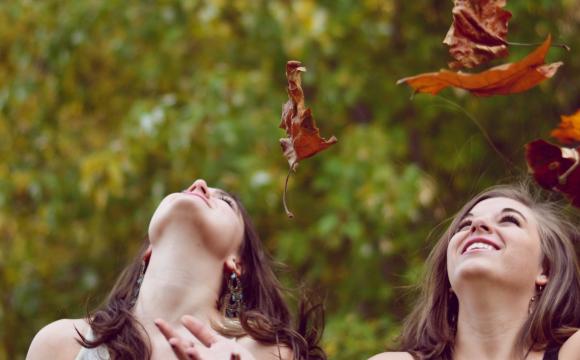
x: 180, y: 348
x: 193, y: 354
x: 165, y: 329
x: 201, y: 331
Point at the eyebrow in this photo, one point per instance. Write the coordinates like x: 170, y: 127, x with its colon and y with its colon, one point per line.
x: 504, y: 210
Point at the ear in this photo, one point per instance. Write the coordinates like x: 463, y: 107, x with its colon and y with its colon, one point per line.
x: 233, y: 264
x: 541, y: 280
x: 147, y: 254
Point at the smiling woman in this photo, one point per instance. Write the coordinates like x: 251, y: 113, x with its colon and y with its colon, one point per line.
x: 202, y: 258
x: 501, y: 283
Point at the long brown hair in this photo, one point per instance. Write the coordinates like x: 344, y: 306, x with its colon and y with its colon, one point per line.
x: 266, y: 316
x: 429, y: 331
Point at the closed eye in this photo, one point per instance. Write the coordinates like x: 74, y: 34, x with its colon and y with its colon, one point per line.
x: 510, y: 218
x: 228, y: 200
x: 462, y: 225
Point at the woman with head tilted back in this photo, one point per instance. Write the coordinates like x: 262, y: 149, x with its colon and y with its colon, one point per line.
x: 204, y: 259
x: 502, y: 283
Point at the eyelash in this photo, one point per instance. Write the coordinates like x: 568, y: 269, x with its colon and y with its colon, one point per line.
x: 228, y: 201
x: 508, y: 218
x: 463, y: 224
x: 511, y: 219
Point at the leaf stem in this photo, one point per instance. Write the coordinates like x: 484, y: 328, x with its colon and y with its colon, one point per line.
x: 288, y: 212
x: 563, y: 46
x: 486, y: 136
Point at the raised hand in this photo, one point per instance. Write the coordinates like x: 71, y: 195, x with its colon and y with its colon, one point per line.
x: 213, y: 345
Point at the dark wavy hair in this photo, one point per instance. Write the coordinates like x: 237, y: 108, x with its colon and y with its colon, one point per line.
x: 266, y: 316
x: 429, y: 331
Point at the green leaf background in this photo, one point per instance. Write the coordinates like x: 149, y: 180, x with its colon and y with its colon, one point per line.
x: 106, y: 106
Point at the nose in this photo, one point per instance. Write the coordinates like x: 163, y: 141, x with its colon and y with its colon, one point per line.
x: 479, y: 225
x: 199, y: 186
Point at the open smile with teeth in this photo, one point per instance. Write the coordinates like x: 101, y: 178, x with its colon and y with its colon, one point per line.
x: 478, y: 246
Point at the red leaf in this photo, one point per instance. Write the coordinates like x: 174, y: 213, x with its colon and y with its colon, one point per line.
x: 569, y: 129
x: 478, y: 33
x: 555, y: 168
x: 500, y: 80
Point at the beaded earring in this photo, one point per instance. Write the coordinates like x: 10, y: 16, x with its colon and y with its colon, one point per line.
x: 233, y: 300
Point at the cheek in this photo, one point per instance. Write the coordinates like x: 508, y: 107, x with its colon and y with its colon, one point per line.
x: 226, y: 231
x: 525, y: 254
x: 451, y: 253
x: 450, y: 267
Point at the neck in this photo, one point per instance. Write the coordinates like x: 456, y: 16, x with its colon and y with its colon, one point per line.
x: 489, y: 321
x: 181, y: 278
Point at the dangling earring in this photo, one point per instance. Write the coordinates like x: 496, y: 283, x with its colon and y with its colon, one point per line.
x: 233, y: 300
x: 534, y: 298
x: 531, y: 304
x: 137, y: 286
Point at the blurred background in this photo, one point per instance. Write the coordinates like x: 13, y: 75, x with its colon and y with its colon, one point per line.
x: 107, y: 106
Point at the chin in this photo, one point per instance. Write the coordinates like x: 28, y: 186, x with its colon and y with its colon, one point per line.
x: 476, y: 268
x: 176, y: 209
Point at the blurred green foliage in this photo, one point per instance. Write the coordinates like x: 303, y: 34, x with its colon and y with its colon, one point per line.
x: 106, y: 106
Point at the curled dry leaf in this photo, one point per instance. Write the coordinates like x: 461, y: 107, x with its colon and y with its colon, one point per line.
x: 478, y: 32
x: 569, y: 129
x: 303, y: 137
x: 505, y: 79
x: 555, y: 168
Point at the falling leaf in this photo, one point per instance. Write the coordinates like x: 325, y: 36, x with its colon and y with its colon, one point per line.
x: 555, y: 168
x: 478, y: 32
x: 500, y: 80
x: 303, y: 137
x: 569, y: 129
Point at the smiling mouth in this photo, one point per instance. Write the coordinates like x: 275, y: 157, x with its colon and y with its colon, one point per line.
x: 479, y: 245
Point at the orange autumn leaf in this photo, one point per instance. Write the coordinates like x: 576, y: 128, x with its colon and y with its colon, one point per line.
x: 505, y: 79
x: 303, y: 137
x: 555, y: 168
x: 478, y: 32
x: 568, y: 131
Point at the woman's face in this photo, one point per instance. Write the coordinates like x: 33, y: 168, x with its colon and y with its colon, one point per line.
x: 498, y: 239
x: 208, y: 212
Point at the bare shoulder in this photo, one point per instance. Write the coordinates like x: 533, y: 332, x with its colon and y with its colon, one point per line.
x: 392, y: 356
x: 571, y: 348
x: 266, y: 352
x: 57, y: 340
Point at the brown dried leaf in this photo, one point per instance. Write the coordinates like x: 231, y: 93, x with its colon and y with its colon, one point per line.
x: 303, y: 137
x: 478, y: 32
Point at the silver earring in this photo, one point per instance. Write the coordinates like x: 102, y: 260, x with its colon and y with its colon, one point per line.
x: 138, y: 283
x: 233, y: 300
